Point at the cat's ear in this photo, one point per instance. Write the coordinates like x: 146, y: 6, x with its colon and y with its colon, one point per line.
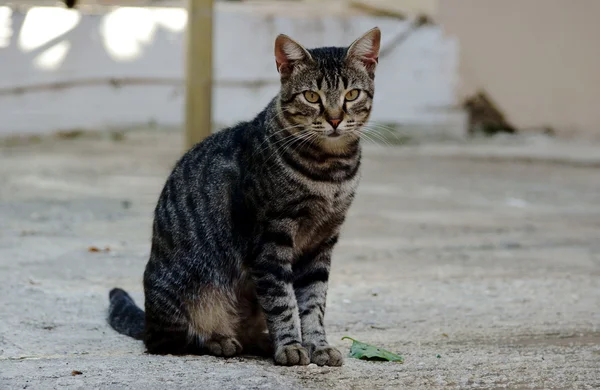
x: 289, y: 53
x: 365, y: 50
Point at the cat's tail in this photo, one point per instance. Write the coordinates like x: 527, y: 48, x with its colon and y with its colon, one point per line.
x: 124, y: 315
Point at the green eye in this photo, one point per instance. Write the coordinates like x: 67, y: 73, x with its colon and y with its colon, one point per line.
x: 311, y: 97
x: 352, y: 95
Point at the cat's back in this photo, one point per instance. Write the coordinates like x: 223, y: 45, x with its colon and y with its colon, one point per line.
x: 222, y: 146
x: 195, y: 204
x: 218, y: 159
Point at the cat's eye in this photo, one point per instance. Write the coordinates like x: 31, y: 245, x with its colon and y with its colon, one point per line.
x: 311, y: 97
x: 352, y: 95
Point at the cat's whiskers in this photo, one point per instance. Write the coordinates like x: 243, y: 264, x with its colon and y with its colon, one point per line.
x: 369, y: 139
x: 278, y: 131
x: 301, y: 140
x: 312, y: 136
x: 378, y: 126
x: 370, y: 132
x: 284, y: 142
x: 377, y: 136
x: 287, y: 137
x: 295, y: 138
x: 300, y: 136
x: 276, y: 117
x: 363, y: 135
x: 268, y: 138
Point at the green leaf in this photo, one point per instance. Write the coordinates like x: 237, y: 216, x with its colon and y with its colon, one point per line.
x: 364, y: 351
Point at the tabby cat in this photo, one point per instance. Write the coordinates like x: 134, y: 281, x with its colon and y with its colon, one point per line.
x: 246, y: 222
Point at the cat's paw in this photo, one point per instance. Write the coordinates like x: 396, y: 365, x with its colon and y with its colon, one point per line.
x: 292, y: 355
x: 326, y: 356
x: 226, y: 346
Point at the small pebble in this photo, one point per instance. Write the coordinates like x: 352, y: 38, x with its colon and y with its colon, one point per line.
x: 312, y: 365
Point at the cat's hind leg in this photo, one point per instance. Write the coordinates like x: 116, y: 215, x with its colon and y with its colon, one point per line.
x: 167, y: 329
x: 214, y: 321
x: 169, y: 339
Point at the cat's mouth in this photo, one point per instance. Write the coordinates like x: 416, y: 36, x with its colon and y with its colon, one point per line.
x: 334, y: 134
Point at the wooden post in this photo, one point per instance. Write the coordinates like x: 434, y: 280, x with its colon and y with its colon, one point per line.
x: 198, y: 121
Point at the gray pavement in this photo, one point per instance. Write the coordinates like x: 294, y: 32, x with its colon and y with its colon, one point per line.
x: 478, y: 262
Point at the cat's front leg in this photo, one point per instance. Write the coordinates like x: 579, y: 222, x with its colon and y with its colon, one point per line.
x: 311, y: 274
x: 273, y: 277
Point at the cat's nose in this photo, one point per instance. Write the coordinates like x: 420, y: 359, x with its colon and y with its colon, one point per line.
x: 334, y: 122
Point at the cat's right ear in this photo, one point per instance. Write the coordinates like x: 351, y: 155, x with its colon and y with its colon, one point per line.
x: 288, y: 54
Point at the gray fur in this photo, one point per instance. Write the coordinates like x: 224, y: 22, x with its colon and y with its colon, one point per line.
x: 246, y: 222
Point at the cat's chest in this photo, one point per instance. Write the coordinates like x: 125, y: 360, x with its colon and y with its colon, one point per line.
x: 323, y: 217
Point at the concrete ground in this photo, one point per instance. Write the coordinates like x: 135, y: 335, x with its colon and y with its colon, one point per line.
x: 479, y: 263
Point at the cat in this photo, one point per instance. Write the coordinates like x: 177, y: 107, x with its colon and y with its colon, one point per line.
x: 246, y: 222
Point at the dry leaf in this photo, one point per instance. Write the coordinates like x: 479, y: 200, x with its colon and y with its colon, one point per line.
x: 96, y: 249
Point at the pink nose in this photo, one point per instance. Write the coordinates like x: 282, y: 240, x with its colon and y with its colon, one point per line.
x: 335, y: 122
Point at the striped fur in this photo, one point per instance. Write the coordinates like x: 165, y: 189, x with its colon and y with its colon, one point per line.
x: 246, y: 223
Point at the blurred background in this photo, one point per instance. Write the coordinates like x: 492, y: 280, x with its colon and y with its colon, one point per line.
x: 473, y: 66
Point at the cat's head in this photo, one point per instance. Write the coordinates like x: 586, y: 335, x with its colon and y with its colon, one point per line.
x: 327, y: 93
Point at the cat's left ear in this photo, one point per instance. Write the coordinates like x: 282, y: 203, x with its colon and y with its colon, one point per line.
x: 289, y: 54
x: 365, y: 50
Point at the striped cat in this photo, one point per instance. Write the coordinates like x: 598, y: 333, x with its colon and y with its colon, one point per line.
x: 246, y: 222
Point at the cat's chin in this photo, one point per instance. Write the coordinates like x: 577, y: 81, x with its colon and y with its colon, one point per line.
x: 334, y: 134
x: 338, y: 137
x: 337, y: 143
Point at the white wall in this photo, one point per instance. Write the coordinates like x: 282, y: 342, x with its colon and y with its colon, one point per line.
x: 415, y: 83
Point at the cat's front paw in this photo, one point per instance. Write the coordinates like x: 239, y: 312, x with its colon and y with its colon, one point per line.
x: 292, y: 355
x: 326, y: 356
